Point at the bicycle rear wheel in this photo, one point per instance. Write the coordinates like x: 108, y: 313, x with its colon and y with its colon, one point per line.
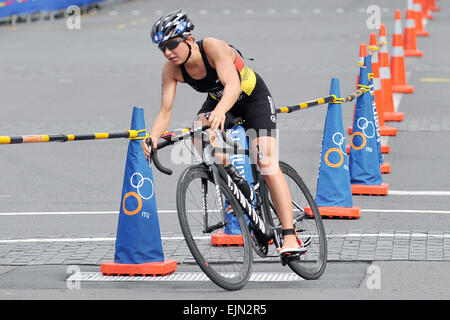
x: 311, y: 265
x: 200, y: 217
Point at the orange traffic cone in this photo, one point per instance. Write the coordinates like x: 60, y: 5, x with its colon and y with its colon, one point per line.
x: 389, y: 114
x: 433, y: 6
x: 378, y: 94
x: 362, y: 55
x: 410, y: 42
x: 420, y: 31
x: 426, y: 11
x: 398, y: 71
x: 384, y: 130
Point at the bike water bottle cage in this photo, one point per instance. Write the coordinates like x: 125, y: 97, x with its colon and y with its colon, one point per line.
x: 240, y: 182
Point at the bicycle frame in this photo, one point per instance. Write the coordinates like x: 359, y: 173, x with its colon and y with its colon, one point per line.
x: 218, y: 172
x: 260, y: 225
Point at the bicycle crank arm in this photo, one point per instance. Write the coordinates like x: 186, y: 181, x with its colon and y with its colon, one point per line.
x: 216, y: 226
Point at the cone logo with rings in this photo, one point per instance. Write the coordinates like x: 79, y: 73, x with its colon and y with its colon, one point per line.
x: 338, y: 139
x: 144, y: 191
x: 367, y: 132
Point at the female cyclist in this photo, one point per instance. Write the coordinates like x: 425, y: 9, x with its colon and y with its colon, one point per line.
x: 213, y: 67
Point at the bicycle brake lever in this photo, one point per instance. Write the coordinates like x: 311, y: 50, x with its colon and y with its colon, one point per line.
x: 149, y: 143
x: 154, y: 157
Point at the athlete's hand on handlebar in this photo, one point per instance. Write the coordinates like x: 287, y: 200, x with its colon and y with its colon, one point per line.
x: 146, y: 148
x: 216, y: 119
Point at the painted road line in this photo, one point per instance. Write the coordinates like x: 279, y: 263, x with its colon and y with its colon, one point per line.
x: 418, y: 193
x: 183, y: 276
x: 207, y: 238
x: 175, y: 211
x: 36, y: 240
x: 56, y: 213
x: 434, y: 79
x: 405, y: 211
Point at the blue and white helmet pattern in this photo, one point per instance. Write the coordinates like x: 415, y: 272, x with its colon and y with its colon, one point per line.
x: 171, y: 25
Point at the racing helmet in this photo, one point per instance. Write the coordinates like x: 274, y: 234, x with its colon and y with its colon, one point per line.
x: 171, y: 25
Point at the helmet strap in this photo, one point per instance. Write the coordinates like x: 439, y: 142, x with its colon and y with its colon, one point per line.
x: 189, y: 54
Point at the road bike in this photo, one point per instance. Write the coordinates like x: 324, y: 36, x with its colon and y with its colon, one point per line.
x: 208, y: 201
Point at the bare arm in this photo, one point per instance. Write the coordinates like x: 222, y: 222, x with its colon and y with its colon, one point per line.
x: 162, y: 120
x: 222, y: 57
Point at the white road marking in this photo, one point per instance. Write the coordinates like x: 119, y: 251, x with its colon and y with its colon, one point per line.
x: 438, y: 193
x: 405, y: 211
x: 56, y: 213
x: 418, y: 193
x: 183, y: 276
x: 206, y: 238
x: 34, y: 240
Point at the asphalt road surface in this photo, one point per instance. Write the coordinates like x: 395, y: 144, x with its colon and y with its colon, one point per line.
x: 59, y: 202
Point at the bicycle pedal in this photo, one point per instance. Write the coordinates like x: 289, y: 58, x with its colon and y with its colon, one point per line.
x: 288, y: 257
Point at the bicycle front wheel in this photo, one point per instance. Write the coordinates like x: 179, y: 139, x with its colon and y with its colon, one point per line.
x: 201, y: 217
x: 311, y: 265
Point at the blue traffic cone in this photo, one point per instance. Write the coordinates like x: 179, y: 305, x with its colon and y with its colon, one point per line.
x: 138, y: 243
x: 232, y: 234
x: 333, y: 195
x: 364, y: 164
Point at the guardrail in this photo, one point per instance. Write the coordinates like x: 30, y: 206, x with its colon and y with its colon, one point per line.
x: 12, y: 10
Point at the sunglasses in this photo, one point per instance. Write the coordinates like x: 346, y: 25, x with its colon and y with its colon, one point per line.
x: 171, y: 45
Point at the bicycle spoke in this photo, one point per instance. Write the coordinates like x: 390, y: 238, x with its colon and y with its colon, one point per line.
x: 227, y: 266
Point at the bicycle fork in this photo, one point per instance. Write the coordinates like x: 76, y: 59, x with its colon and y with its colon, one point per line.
x: 222, y: 223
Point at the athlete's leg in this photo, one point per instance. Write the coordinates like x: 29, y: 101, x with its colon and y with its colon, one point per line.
x: 265, y: 150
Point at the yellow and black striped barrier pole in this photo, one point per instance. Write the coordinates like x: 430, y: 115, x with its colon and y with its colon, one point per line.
x: 133, y: 134
x: 129, y: 134
x: 329, y: 99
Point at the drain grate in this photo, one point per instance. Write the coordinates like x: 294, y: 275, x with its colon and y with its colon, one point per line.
x: 181, y: 276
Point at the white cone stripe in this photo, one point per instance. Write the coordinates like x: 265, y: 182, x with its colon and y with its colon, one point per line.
x: 397, y: 52
x: 385, y: 73
x: 398, y: 27
x: 375, y: 57
x: 376, y: 84
x: 410, y: 5
x: 410, y: 23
